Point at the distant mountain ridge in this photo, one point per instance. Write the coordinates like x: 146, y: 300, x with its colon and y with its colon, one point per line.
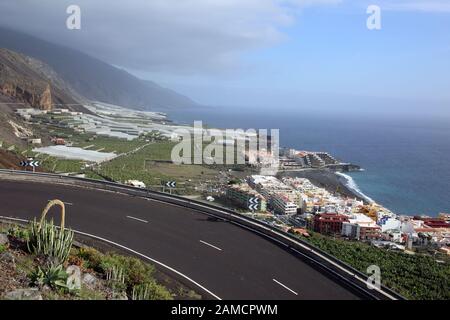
x: 93, y: 78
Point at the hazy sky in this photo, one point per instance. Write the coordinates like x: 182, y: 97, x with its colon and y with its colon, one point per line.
x: 261, y: 52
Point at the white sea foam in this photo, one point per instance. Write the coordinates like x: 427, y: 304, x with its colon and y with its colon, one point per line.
x: 351, y: 184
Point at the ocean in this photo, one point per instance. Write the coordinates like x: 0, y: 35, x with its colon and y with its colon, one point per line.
x: 406, y: 159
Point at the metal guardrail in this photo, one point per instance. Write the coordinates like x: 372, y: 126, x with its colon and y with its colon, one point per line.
x: 328, y: 263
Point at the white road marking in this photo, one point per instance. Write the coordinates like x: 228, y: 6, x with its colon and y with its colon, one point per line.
x: 209, y: 244
x: 286, y: 287
x: 66, y: 203
x: 135, y: 252
x: 137, y: 219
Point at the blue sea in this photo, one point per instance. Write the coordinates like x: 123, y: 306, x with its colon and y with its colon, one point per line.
x: 406, y: 159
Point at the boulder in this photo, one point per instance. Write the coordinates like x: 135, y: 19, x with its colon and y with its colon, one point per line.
x: 23, y: 294
x: 89, y: 280
x: 8, y: 257
x: 74, y: 279
x: 4, y: 239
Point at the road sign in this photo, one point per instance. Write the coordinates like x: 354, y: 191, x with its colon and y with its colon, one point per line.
x: 253, y: 200
x: 30, y: 163
x: 171, y: 184
x: 253, y: 207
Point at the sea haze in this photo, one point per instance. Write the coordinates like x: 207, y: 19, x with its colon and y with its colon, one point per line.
x: 406, y: 158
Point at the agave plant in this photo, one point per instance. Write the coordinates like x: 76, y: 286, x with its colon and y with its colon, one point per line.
x: 48, y: 240
x: 51, y: 275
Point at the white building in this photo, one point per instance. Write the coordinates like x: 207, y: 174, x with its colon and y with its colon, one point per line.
x: 360, y: 226
x: 282, y: 204
x: 390, y: 224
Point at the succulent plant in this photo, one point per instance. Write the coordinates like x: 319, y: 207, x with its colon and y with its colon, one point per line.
x: 48, y: 240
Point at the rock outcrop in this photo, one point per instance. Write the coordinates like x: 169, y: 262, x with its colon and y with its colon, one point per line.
x: 22, y: 78
x: 45, y: 103
x: 24, y: 294
x: 32, y: 97
x: 4, y: 239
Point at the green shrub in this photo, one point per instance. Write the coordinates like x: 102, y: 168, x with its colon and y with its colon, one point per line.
x: 136, y: 271
x: 92, y: 258
x: 3, y: 248
x: 18, y: 232
x: 124, y: 274
x: 150, y: 291
x: 116, y: 278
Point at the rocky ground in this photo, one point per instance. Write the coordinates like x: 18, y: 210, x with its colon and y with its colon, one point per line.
x: 17, y: 265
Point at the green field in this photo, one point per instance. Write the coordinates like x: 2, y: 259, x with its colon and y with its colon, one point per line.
x: 143, y: 167
x: 413, y: 276
x: 61, y: 165
x: 147, y: 159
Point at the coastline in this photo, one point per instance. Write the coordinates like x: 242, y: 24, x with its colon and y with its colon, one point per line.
x: 331, y: 181
x: 352, y: 185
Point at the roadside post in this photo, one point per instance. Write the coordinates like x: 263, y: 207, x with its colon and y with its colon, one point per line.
x: 171, y: 185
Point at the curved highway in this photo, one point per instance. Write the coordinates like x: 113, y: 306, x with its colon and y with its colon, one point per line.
x: 229, y: 261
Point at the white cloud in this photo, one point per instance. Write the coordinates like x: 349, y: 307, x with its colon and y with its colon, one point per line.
x: 178, y: 36
x: 427, y: 6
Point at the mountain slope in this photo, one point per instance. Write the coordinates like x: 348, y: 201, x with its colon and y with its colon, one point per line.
x: 26, y: 80
x: 94, y: 79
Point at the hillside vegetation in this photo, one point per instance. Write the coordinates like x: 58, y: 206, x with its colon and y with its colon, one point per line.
x: 41, y: 262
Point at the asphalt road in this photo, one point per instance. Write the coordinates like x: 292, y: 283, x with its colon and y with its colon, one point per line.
x: 230, y: 261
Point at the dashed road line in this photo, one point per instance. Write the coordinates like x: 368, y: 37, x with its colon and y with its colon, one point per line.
x: 137, y: 219
x: 284, y: 286
x: 210, y: 245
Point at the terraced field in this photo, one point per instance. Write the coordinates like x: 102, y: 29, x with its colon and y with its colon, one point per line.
x: 152, y: 165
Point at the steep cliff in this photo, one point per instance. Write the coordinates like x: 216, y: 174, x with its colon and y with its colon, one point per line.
x: 22, y: 78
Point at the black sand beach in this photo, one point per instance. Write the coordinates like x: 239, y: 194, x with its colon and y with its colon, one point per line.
x: 326, y: 179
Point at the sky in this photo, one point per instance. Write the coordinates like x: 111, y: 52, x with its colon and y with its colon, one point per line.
x: 264, y: 53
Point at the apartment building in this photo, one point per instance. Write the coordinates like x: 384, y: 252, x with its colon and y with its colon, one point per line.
x: 328, y: 223
x: 282, y: 204
x: 240, y: 195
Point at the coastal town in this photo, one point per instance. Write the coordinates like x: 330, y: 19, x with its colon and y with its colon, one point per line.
x: 294, y: 204
x: 225, y: 156
x: 298, y: 206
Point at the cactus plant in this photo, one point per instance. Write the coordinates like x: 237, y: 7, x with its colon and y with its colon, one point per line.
x: 48, y: 240
x: 115, y: 277
x: 150, y: 291
x: 115, y: 273
x: 141, y: 292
